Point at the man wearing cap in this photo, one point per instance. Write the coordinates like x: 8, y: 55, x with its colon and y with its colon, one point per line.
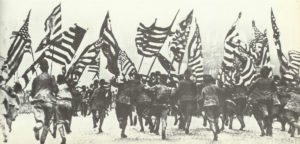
x: 143, y: 102
x: 186, y: 92
x: 210, y: 94
x: 99, y: 104
x: 161, y: 101
x: 63, y: 109
x: 43, y: 91
x: 292, y: 109
x: 123, y: 102
x: 261, y: 97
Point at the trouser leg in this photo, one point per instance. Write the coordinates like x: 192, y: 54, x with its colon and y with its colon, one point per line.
x: 164, y: 116
x: 3, y: 128
x: 95, y: 118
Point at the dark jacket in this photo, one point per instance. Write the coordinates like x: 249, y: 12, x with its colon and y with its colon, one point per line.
x: 262, y: 89
x: 211, y: 94
x: 44, y: 87
x: 99, y: 99
x: 141, y: 93
x: 186, y: 90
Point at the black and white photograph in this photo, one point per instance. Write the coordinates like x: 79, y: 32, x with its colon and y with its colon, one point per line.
x: 150, y: 71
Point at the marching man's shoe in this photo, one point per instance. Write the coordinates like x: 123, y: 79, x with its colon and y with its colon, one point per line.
x: 36, y: 133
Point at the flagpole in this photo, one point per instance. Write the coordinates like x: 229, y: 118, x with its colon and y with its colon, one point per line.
x: 52, y: 59
x: 160, y: 49
x: 141, y: 64
x: 99, y: 64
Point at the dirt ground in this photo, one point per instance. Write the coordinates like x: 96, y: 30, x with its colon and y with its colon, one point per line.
x: 84, y: 133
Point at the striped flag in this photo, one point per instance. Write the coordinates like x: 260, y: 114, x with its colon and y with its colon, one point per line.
x: 94, y: 67
x: 180, y: 38
x: 87, y: 57
x: 20, y: 45
x: 53, y: 28
x: 126, y: 65
x: 294, y: 66
x: 63, y: 52
x: 286, y: 68
x: 149, y: 40
x: 259, y: 48
x: 109, y: 46
x: 238, y: 67
x: 195, y: 58
x: 230, y: 44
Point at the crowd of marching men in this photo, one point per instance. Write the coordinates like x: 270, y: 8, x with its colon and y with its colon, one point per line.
x: 56, y: 100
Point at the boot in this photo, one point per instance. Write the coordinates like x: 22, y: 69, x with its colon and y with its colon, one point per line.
x: 44, y: 135
x: 63, y: 141
x: 36, y: 133
x: 123, y: 135
x: 163, y: 135
x: 215, y: 136
x: 186, y: 131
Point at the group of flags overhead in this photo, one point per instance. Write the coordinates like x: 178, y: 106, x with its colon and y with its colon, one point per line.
x: 240, y: 65
x: 150, y: 40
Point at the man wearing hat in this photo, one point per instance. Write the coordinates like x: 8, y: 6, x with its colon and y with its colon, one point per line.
x: 43, y: 91
x: 211, y: 94
x: 99, y: 104
x: 292, y: 108
x: 123, y: 102
x: 161, y: 101
x: 261, y: 97
x: 186, y: 92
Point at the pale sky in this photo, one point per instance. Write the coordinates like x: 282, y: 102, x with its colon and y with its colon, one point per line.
x: 214, y: 17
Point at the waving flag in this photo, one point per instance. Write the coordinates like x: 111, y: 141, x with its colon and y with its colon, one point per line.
x: 238, y: 67
x: 195, y: 58
x: 259, y: 48
x: 286, y: 67
x: 126, y: 65
x: 64, y: 51
x: 53, y: 28
x: 180, y: 38
x: 109, y: 46
x: 149, y: 40
x: 20, y: 45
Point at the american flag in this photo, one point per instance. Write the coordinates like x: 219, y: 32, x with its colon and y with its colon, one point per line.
x: 195, y: 58
x: 149, y: 40
x: 238, y: 67
x: 64, y: 51
x: 286, y: 68
x: 126, y: 65
x: 53, y: 28
x: 259, y: 48
x: 109, y: 46
x: 87, y: 57
x: 231, y: 43
x: 180, y: 38
x: 20, y: 45
x: 294, y: 66
x: 60, y: 46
